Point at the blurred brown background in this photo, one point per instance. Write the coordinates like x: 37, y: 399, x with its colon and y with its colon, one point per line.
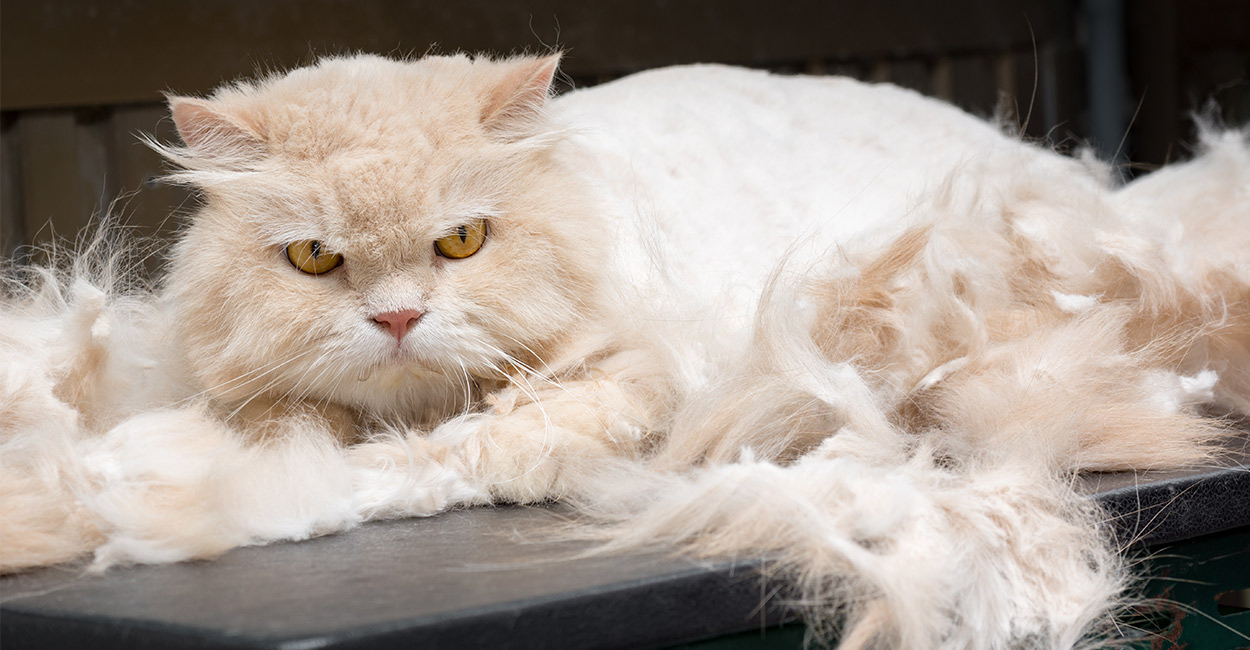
x: 79, y: 78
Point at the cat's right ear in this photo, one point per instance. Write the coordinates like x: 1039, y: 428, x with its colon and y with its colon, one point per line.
x: 520, y: 93
x: 210, y: 130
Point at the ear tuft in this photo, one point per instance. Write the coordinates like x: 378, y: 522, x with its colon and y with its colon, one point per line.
x: 209, y: 129
x: 521, y: 93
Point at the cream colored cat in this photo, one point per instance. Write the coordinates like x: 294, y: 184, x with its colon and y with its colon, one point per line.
x: 744, y: 313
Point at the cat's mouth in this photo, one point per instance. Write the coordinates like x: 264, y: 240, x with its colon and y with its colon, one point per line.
x: 396, y: 372
x: 401, y: 360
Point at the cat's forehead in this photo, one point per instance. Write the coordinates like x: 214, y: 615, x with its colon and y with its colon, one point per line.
x: 434, y: 183
x: 371, y: 104
x: 377, y: 140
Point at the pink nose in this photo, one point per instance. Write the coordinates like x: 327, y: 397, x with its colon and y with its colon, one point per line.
x: 398, y: 322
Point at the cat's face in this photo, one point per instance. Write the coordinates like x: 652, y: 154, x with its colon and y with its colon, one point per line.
x: 378, y: 233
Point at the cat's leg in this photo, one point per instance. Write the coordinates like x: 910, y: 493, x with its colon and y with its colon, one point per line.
x: 179, y: 484
x: 541, y: 443
x: 41, y: 520
x: 538, y: 440
x: 405, y: 474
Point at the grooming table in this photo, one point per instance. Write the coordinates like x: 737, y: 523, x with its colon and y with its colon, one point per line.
x: 485, y: 578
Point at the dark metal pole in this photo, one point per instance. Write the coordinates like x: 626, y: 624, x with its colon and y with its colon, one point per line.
x: 1106, y: 78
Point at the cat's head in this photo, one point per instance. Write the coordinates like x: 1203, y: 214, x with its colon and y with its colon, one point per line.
x: 375, y: 233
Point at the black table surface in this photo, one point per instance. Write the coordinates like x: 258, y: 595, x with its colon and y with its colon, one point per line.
x: 489, y: 577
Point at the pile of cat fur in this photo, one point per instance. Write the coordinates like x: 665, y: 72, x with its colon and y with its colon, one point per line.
x: 841, y: 325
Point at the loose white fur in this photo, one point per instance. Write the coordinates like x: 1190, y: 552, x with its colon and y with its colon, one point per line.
x: 842, y: 325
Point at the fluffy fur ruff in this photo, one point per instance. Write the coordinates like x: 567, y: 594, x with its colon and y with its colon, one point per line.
x: 898, y: 435
x: 1021, y: 332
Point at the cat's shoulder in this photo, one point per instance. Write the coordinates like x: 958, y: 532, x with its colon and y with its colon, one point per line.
x: 703, y: 80
x: 737, y: 95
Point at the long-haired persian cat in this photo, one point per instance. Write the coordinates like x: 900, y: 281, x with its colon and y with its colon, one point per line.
x: 840, y: 324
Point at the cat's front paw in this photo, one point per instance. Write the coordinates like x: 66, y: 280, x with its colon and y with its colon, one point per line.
x: 523, y: 456
x: 408, y: 477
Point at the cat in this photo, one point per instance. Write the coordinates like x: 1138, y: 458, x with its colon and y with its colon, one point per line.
x: 840, y: 323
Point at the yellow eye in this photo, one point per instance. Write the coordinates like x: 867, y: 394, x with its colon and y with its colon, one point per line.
x: 309, y: 256
x: 465, y: 241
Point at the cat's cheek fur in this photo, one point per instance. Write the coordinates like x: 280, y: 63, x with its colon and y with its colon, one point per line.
x: 249, y: 323
x: 545, y: 264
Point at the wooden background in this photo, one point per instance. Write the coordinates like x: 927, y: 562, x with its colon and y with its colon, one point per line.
x: 79, y: 79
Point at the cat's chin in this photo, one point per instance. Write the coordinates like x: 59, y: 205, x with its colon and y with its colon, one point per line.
x: 400, y: 388
x: 396, y: 368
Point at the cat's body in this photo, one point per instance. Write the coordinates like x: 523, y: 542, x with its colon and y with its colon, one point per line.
x: 623, y: 297
x: 735, y: 171
x: 710, y: 182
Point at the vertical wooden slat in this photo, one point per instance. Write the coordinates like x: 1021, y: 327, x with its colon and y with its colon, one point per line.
x: 912, y: 73
x: 51, y: 203
x: 1033, y: 107
x: 879, y: 70
x: 942, y: 83
x: 974, y: 83
x: 1005, y: 75
x: 854, y: 69
x: 12, y: 226
x: 1068, y: 120
x: 150, y: 205
x: 65, y: 168
x: 96, y: 179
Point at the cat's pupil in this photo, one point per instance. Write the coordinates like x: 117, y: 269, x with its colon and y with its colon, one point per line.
x: 464, y: 234
x: 316, y: 249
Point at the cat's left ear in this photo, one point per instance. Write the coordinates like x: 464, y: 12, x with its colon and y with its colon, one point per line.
x: 520, y: 94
